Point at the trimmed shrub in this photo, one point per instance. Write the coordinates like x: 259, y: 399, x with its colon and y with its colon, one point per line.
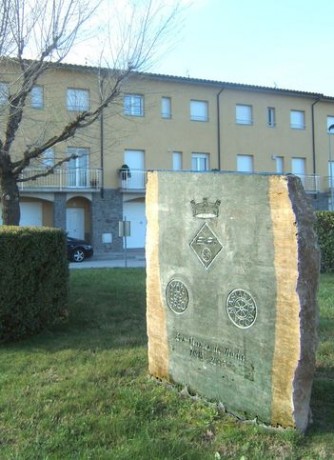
x: 325, y: 230
x: 34, y: 280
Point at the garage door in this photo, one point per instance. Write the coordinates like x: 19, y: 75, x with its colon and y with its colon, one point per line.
x: 135, y: 213
x: 31, y: 214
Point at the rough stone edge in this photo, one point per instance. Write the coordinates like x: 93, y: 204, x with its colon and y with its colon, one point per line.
x: 286, y: 351
x: 294, y: 363
x: 307, y: 287
x: 155, y: 313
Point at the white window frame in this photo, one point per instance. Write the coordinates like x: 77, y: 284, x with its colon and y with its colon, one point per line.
x: 199, y: 110
x: 297, y: 119
x: 166, y: 107
x: 200, y: 161
x: 243, y: 114
x: 37, y: 97
x: 331, y: 174
x: 77, y: 100
x: 4, y: 93
x: 77, y: 168
x: 48, y: 158
x: 177, y: 161
x: 271, y: 117
x: 279, y: 162
x: 330, y: 122
x: 134, y: 105
x: 245, y: 163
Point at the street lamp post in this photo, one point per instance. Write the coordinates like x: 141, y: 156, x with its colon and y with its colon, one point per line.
x: 330, y: 128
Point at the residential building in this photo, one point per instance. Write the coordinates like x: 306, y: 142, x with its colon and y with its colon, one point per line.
x: 167, y: 123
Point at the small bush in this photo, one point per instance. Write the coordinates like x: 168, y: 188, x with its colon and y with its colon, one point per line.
x: 34, y: 280
x: 325, y: 231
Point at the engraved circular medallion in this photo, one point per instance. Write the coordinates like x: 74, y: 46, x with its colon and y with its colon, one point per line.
x: 177, y: 296
x: 241, y: 308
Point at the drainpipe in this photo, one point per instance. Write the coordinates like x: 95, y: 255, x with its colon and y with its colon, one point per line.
x: 218, y: 128
x: 313, y: 135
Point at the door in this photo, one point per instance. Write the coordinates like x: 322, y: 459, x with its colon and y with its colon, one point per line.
x: 298, y: 166
x: 75, y: 222
x: 78, y: 168
x: 135, y: 213
x: 135, y: 159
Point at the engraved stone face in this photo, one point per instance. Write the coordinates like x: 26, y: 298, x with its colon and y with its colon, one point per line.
x: 241, y: 308
x: 206, y: 245
x: 177, y: 296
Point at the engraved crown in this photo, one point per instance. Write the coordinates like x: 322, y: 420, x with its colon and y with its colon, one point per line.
x: 205, y: 209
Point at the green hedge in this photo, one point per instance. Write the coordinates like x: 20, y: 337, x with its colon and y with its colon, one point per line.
x: 34, y: 280
x: 325, y: 231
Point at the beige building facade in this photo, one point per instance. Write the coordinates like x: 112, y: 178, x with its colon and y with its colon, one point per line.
x: 166, y: 123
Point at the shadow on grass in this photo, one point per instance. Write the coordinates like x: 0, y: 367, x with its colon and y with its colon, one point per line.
x: 322, y: 401
x: 107, y: 311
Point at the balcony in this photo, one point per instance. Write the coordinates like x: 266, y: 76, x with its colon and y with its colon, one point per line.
x: 135, y: 181
x: 63, y: 179
x: 313, y: 183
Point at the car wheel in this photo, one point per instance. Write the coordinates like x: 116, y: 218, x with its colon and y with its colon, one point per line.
x: 78, y: 255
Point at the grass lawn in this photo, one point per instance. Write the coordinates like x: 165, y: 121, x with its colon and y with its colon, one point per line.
x: 82, y: 390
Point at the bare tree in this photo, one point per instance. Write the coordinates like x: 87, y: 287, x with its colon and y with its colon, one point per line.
x: 36, y: 35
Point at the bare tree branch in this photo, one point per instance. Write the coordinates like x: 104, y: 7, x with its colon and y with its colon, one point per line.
x: 37, y: 35
x: 48, y: 170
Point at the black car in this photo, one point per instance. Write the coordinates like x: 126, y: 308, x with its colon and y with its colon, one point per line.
x: 78, y: 250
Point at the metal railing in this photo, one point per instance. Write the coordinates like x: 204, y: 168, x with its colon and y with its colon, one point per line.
x: 314, y: 183
x: 61, y: 179
x: 91, y: 179
x: 135, y: 181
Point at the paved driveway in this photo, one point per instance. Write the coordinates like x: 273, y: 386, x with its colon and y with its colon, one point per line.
x: 132, y: 260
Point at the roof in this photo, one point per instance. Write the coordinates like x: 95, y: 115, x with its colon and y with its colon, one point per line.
x: 220, y: 85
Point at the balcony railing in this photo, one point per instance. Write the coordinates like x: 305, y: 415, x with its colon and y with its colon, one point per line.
x: 313, y: 183
x: 91, y: 179
x: 135, y: 181
x: 62, y: 179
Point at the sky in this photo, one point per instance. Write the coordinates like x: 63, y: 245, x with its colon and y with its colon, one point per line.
x: 287, y: 44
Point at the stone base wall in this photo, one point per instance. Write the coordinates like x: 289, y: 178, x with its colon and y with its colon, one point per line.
x: 59, y: 210
x: 106, y: 212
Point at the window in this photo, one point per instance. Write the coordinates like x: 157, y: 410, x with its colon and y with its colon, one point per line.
x: 134, y: 105
x: 200, y: 162
x: 78, y: 167
x: 37, y: 97
x: 244, y: 114
x: 177, y: 161
x: 330, y: 122
x: 199, y: 111
x: 331, y: 174
x: 245, y: 163
x: 297, y: 119
x: 166, y: 107
x: 279, y: 164
x: 48, y: 158
x: 271, y: 117
x: 77, y: 99
x: 4, y: 93
x: 298, y: 167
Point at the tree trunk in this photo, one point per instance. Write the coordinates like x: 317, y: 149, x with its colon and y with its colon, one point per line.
x: 10, y: 200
